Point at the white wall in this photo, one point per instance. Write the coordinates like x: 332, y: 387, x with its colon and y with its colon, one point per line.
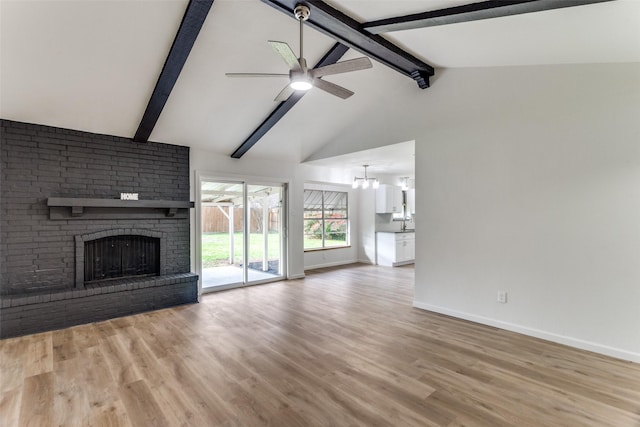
x: 539, y: 198
x: 528, y: 181
x: 367, y: 226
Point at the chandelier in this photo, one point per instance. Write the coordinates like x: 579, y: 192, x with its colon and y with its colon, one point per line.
x: 364, y: 182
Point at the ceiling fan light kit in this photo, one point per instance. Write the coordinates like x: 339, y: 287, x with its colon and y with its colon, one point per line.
x: 300, y: 81
x: 301, y: 78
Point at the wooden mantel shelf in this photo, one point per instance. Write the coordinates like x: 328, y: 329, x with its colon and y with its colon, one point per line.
x: 117, y: 203
x: 84, y: 208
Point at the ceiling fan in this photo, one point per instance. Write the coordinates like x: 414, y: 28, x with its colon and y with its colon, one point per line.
x: 300, y: 76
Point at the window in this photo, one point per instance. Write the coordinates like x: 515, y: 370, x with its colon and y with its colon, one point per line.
x: 405, y: 215
x: 326, y: 221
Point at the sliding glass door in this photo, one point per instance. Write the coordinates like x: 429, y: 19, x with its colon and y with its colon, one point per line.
x: 264, y: 241
x: 241, y: 233
x: 222, y: 233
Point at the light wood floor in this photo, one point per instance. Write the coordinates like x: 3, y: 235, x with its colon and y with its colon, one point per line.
x: 342, y: 347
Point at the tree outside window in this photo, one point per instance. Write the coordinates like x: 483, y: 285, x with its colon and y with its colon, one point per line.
x: 326, y: 222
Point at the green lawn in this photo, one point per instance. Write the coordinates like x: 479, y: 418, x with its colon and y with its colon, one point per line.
x: 310, y: 243
x: 215, y: 248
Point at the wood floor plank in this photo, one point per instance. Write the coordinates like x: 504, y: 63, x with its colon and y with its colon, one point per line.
x: 119, y: 360
x: 390, y: 412
x: 202, y: 394
x: 39, y: 354
x: 142, y: 407
x: 320, y: 403
x: 97, y: 381
x: 12, y: 360
x: 144, y: 359
x: 152, y: 337
x: 104, y: 329
x: 64, y: 346
x: 343, y: 347
x: 10, y: 407
x: 85, y: 336
x: 469, y: 414
x: 568, y: 402
x: 36, y: 408
x: 178, y: 408
x: 277, y: 375
x: 71, y: 401
x: 112, y: 415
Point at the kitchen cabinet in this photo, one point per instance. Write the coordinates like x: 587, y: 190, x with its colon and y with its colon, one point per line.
x: 394, y: 249
x: 388, y: 199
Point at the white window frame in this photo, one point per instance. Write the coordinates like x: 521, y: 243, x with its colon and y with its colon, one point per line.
x: 323, y: 218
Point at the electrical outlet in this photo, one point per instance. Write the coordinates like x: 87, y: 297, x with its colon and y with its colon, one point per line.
x: 502, y: 297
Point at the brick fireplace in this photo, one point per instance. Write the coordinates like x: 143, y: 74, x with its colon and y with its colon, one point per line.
x: 71, y: 251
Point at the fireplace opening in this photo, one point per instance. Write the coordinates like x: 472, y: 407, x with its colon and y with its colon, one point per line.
x: 121, y: 256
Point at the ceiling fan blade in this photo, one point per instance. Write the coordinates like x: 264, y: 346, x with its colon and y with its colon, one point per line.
x: 286, y: 53
x: 342, y: 67
x: 284, y: 94
x: 256, y: 75
x: 332, y: 88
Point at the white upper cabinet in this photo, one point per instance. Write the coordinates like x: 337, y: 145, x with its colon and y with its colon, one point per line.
x: 388, y: 199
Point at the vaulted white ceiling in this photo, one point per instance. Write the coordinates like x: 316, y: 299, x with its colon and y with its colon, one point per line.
x: 92, y: 65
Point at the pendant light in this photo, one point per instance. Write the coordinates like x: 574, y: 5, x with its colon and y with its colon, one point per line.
x: 366, y: 181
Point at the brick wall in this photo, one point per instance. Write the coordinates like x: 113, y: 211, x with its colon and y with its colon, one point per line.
x: 37, y: 255
x: 38, y: 162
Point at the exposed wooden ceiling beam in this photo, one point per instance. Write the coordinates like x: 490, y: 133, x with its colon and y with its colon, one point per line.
x: 331, y: 57
x: 190, y: 26
x: 469, y: 12
x: 350, y: 32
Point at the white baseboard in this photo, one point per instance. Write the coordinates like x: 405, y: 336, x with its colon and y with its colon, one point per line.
x: 549, y: 336
x: 398, y: 264
x: 296, y: 276
x: 329, y: 264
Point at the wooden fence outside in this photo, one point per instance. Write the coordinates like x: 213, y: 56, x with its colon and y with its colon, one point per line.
x: 214, y: 221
